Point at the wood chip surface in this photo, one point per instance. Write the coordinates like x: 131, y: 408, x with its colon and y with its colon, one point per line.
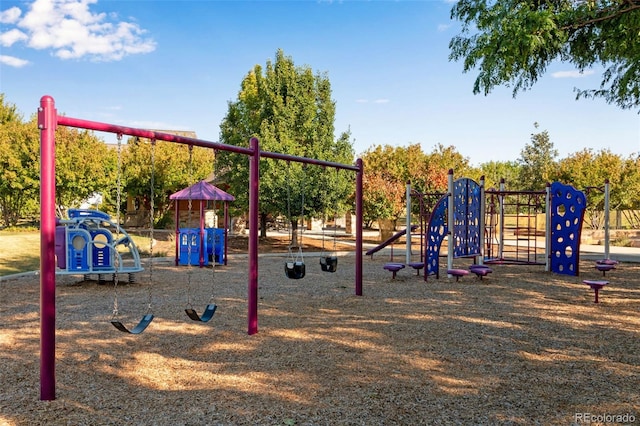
x: 520, y: 347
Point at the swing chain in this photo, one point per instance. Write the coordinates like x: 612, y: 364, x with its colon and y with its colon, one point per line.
x: 188, y: 227
x: 116, y: 261
x: 151, y: 221
x: 213, y: 250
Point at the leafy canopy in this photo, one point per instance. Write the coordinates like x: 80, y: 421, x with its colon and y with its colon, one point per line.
x: 512, y: 42
x: 290, y: 110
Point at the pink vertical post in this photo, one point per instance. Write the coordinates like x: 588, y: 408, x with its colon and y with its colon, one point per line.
x: 254, y: 185
x: 47, y: 122
x: 177, y: 230
x: 202, y: 250
x: 359, y: 175
x: 226, y: 230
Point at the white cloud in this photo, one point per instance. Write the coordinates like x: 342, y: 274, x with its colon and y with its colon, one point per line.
x: 377, y: 101
x: 8, y: 38
x: 10, y: 16
x: 72, y: 31
x: 443, y: 27
x: 571, y: 74
x: 12, y: 61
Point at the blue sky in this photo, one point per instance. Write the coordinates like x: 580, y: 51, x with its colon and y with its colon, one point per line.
x: 165, y: 64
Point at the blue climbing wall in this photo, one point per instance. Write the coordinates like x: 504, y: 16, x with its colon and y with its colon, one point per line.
x: 567, y: 213
x: 466, y: 218
x: 436, y: 232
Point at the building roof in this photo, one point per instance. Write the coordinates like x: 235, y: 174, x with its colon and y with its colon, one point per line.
x: 202, y: 191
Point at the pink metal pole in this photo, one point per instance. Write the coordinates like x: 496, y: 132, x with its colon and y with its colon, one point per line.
x: 226, y: 230
x: 202, y: 251
x: 359, y: 254
x: 254, y: 186
x: 177, y: 230
x: 47, y: 121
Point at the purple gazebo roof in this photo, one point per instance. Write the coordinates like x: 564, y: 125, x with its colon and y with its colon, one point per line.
x: 202, y: 191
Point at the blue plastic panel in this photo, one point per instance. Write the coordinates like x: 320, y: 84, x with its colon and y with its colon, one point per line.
x: 567, y: 213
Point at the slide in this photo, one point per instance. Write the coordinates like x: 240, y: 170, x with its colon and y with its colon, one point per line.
x: 389, y: 240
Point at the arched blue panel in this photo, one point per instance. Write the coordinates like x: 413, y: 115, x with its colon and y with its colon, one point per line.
x: 466, y: 218
x: 436, y: 232
x: 567, y: 212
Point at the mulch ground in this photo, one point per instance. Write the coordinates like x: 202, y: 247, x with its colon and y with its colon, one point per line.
x: 520, y: 347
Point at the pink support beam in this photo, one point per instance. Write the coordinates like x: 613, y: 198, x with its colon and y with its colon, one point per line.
x: 47, y: 119
x: 226, y: 231
x: 254, y: 188
x: 202, y: 249
x: 177, y: 230
x: 359, y: 176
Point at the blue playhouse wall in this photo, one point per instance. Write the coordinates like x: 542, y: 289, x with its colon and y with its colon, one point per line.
x: 213, y: 246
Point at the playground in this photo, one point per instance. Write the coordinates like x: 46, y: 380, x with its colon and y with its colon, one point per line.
x: 353, y: 346
x: 522, y: 346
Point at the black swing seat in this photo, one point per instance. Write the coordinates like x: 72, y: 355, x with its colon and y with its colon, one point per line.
x: 294, y: 270
x: 206, y: 315
x: 144, y: 322
x: 329, y: 263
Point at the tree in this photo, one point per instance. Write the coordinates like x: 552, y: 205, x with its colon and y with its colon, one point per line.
x: 290, y: 110
x: 588, y: 171
x: 82, y: 165
x: 537, y: 162
x: 512, y: 42
x: 627, y: 195
x: 440, y: 160
x: 389, y: 168
x: 171, y: 171
x: 19, y: 165
x: 495, y: 171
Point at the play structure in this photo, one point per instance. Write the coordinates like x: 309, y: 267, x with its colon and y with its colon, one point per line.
x: 48, y: 121
x: 201, y: 245
x: 498, y: 227
x: 513, y: 227
x: 89, y: 243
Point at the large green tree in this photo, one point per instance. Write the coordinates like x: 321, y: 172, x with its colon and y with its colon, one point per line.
x: 512, y: 42
x: 290, y: 110
x: 19, y: 165
x: 83, y: 165
x: 537, y: 162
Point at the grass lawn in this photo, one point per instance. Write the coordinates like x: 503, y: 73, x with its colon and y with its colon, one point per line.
x: 20, y: 251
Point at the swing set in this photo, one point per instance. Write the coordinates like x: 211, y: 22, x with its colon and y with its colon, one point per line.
x: 48, y: 120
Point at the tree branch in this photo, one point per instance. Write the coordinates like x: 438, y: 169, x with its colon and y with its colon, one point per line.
x: 634, y: 4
